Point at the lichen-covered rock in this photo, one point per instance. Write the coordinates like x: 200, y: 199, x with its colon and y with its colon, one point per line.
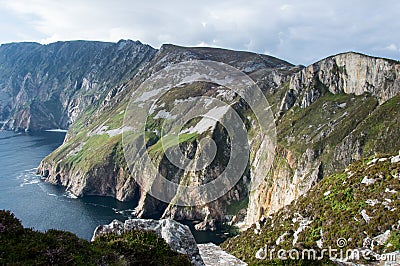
x: 213, y: 255
x: 115, y: 227
x: 176, y: 235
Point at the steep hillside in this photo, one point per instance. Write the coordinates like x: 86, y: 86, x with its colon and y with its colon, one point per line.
x: 48, y: 86
x: 329, y: 114
x: 355, y: 209
x: 24, y: 246
x: 91, y: 162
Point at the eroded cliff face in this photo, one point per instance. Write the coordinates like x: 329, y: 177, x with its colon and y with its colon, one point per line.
x: 333, y: 113
x: 83, y: 164
x: 350, y: 73
x: 327, y: 115
x: 49, y: 86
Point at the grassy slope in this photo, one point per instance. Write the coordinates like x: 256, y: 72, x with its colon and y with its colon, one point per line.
x: 341, y: 125
x: 377, y: 129
x: 334, y: 206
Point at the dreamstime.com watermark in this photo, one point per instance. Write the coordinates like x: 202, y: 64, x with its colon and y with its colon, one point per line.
x: 340, y: 253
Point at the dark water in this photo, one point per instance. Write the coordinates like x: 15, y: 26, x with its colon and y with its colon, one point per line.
x: 43, y: 206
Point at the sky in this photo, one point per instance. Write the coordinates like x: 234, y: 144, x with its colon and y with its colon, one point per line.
x: 298, y: 31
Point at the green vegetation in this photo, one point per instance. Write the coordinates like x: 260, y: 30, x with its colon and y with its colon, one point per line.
x: 324, y: 123
x: 236, y: 206
x: 334, y: 206
x: 394, y: 241
x: 380, y: 130
x: 170, y: 141
x: 341, y: 124
x: 23, y: 246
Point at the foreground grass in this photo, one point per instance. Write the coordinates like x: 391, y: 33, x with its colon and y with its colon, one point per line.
x: 24, y: 246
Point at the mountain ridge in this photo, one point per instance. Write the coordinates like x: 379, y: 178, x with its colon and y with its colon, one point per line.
x: 358, y: 53
x: 329, y: 114
x: 56, y: 81
x: 302, y: 162
x: 66, y: 120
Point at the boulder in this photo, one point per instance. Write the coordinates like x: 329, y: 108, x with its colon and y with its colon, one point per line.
x: 214, y: 255
x: 395, y: 159
x: 115, y: 226
x: 176, y: 235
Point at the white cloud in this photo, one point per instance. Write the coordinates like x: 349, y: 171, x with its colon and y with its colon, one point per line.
x: 297, y: 31
x: 392, y: 47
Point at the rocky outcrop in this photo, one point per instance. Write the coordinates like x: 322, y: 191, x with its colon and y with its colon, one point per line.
x: 49, y: 86
x: 214, y: 255
x: 289, y: 178
x: 106, y: 180
x: 176, y: 235
x: 350, y: 73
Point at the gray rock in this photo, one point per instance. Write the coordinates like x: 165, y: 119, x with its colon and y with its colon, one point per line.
x: 395, y: 159
x: 367, y: 181
x: 365, y: 216
x: 114, y: 227
x: 213, y: 255
x: 176, y: 235
x: 382, y: 238
x: 207, y: 224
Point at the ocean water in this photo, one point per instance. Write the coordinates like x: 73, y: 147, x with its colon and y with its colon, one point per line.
x: 42, y: 206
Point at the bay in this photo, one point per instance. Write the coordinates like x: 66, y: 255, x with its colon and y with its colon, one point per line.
x: 43, y: 206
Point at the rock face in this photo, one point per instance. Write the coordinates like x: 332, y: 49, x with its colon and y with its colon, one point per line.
x: 350, y: 73
x: 177, y: 236
x: 49, y: 86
